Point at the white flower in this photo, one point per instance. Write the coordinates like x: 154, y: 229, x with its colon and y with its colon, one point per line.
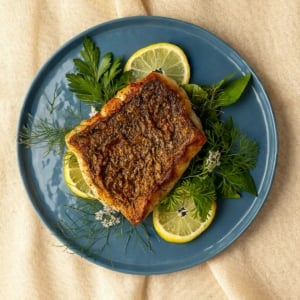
x: 107, y: 217
x: 213, y: 160
x: 110, y: 221
x: 99, y: 215
x: 107, y: 209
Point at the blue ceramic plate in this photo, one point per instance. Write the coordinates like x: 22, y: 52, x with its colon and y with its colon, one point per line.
x: 125, y: 248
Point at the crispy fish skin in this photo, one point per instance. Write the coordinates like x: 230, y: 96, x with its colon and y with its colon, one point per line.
x: 137, y: 147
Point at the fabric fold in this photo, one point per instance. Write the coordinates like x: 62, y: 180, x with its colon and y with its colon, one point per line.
x: 237, y: 280
x: 130, y: 8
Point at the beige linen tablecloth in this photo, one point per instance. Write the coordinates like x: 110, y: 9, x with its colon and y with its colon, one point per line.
x: 262, y: 264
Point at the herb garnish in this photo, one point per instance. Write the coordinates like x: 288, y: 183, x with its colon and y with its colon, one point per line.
x: 44, y: 133
x: 80, y: 220
x: 98, y: 78
x: 221, y: 169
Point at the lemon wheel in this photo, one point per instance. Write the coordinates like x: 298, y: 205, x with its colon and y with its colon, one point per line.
x: 180, y: 224
x: 73, y: 177
x: 166, y: 58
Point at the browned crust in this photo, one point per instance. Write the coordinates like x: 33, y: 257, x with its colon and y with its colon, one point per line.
x: 135, y: 211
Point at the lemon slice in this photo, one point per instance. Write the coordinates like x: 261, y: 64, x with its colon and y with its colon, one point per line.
x: 73, y: 177
x: 180, y: 225
x: 166, y: 58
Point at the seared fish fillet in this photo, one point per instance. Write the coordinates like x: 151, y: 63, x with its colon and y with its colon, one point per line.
x: 136, y: 148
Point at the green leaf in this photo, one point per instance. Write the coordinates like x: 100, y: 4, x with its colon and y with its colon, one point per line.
x: 116, y: 85
x: 83, y: 68
x: 200, y: 189
x: 236, y: 179
x: 43, y: 133
x: 90, y: 54
x: 96, y: 80
x: 233, y: 91
x: 227, y: 191
x: 114, y: 70
x: 196, y: 94
x: 203, y: 192
x: 229, y: 124
x: 219, y: 136
x: 246, y: 183
x: 223, y: 81
x: 86, y: 89
x: 204, y: 102
x: 104, y: 64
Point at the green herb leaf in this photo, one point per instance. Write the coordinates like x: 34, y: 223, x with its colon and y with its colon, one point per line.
x: 96, y: 79
x: 227, y: 191
x: 233, y: 91
x: 223, y: 81
x: 200, y: 189
x: 236, y: 179
x: 105, y: 64
x: 91, y: 55
x: 222, y: 168
x: 203, y: 192
x: 203, y: 100
x: 247, y: 183
x: 238, y: 156
x: 196, y: 93
x: 85, y: 88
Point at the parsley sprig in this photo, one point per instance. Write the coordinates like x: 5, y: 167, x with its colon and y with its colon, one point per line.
x: 97, y: 79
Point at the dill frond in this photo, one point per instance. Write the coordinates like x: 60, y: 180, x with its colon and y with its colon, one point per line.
x: 53, y: 101
x: 80, y: 223
x: 43, y: 133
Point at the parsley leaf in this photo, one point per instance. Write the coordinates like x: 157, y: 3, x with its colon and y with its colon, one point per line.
x: 97, y: 78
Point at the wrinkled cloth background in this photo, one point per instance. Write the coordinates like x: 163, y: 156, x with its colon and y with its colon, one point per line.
x: 264, y: 263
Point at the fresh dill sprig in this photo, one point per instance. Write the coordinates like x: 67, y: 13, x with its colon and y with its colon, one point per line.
x: 238, y: 155
x: 200, y: 189
x: 43, y: 133
x: 53, y: 102
x: 97, y: 78
x: 204, y: 193
x: 140, y: 235
x: 46, y: 132
x: 81, y: 221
